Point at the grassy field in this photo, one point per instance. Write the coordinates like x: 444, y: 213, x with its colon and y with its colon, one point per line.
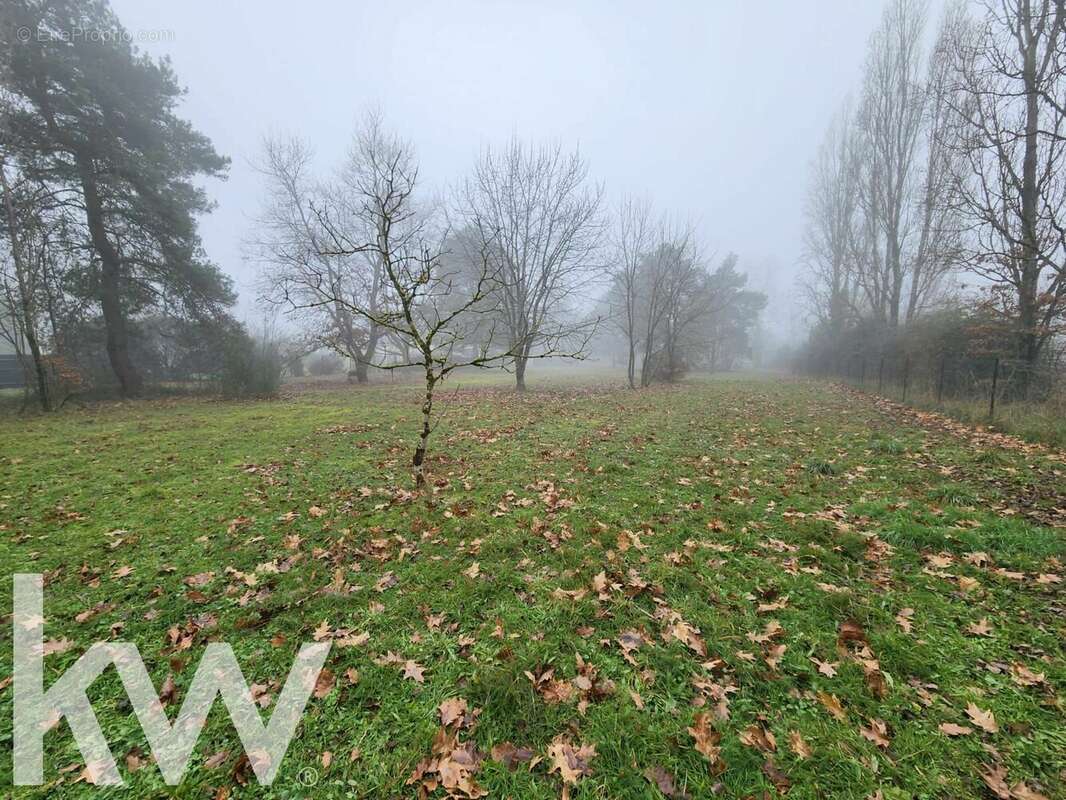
x: 726, y: 588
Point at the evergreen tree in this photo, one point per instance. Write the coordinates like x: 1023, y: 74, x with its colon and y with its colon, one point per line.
x: 97, y: 120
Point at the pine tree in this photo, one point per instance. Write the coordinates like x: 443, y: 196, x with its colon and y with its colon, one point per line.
x: 97, y: 120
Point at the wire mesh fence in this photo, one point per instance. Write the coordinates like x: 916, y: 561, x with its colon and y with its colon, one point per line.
x: 987, y: 387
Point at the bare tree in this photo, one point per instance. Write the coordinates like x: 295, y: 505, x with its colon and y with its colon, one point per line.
x: 889, y: 127
x: 631, y: 238
x: 428, y: 301
x: 684, y: 301
x: 320, y: 288
x: 539, y: 223
x: 664, y: 273
x: 1009, y: 128
x: 937, y: 248
x: 24, y: 273
x: 831, y: 213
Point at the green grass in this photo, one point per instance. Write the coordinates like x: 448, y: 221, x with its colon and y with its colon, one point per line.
x: 1043, y: 422
x: 698, y: 504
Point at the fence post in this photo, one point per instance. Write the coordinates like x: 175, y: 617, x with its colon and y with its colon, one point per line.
x: 881, y: 375
x: 862, y: 374
x: 992, y: 399
x: 906, y: 376
x: 940, y: 382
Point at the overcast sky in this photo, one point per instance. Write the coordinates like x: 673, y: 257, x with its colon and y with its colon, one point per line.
x: 713, y: 108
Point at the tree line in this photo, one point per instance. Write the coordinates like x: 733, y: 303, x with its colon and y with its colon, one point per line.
x: 525, y: 237
x: 937, y: 195
x: 518, y: 261
x: 521, y: 259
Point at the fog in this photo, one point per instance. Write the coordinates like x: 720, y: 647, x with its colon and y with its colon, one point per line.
x: 713, y: 110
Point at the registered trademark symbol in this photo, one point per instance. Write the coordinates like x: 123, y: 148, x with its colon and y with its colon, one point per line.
x: 308, y: 776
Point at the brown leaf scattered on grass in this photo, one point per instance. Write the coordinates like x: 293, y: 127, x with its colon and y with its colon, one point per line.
x: 707, y: 738
x: 1023, y: 676
x: 511, y: 756
x: 985, y: 720
x: 325, y: 683
x: 832, y: 705
x: 452, y: 710
x: 777, y: 777
x: 168, y: 692
x: 995, y: 778
x: 571, y: 764
x: 799, y: 745
x: 199, y: 579
x: 876, y: 733
x: 414, y: 672
x: 386, y: 581
x: 1021, y: 791
x: 661, y: 780
x: 905, y: 619
x: 850, y: 631
x: 951, y: 729
x: 981, y: 628
x: 826, y: 668
x: 217, y: 760
x: 758, y: 737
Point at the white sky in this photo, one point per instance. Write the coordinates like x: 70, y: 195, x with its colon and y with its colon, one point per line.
x: 713, y: 108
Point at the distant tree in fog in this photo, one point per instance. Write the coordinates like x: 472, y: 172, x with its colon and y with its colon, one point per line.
x: 630, y: 239
x: 320, y: 289
x: 96, y: 121
x: 832, y: 214
x: 1008, y: 107
x: 883, y: 230
x: 671, y: 312
x: 905, y: 235
x: 538, y: 219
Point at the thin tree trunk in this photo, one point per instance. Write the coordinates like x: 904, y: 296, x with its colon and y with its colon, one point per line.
x: 418, y: 462
x: 1030, y: 268
x: 129, y: 380
x: 520, y: 372
x: 26, y: 300
x: 631, y: 366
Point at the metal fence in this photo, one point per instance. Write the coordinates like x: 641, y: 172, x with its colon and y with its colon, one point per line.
x: 987, y: 382
x: 11, y: 373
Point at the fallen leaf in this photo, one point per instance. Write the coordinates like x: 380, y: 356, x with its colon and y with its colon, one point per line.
x: 951, y: 729
x: 876, y: 733
x: 798, y: 745
x: 571, y: 764
x: 452, y: 710
x: 661, y: 780
x: 757, y: 736
x: 981, y: 628
x: 707, y: 739
x: 832, y: 705
x: 995, y: 778
x: 325, y: 683
x: 414, y: 672
x: 985, y: 720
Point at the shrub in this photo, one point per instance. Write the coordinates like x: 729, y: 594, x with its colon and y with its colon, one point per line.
x: 325, y: 364
x: 250, y: 366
